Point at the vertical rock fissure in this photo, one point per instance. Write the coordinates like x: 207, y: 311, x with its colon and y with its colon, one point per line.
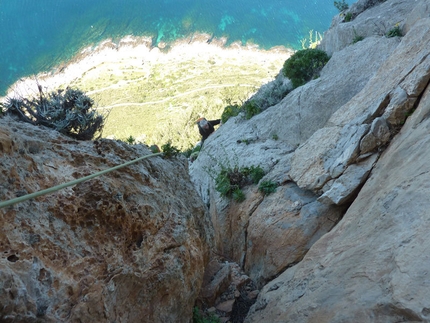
x: 245, y: 251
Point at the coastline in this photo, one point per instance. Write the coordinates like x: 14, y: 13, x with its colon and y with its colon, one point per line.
x: 137, y: 51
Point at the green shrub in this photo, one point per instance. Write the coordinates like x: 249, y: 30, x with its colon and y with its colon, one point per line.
x: 230, y: 181
x: 69, y: 111
x: 357, y: 37
x: 154, y: 149
x: 304, y: 65
x: 255, y: 172
x: 199, y: 317
x: 231, y: 110
x: 169, y: 150
x: 267, y: 187
x: 341, y: 5
x: 395, y: 32
x: 251, y: 109
x: 238, y: 195
x: 130, y: 140
x: 348, y: 17
x: 222, y: 184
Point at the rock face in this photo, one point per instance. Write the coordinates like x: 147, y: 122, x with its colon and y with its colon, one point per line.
x: 129, y: 246
x: 370, y: 18
x: 292, y: 143
x: 333, y: 146
x: 374, y: 266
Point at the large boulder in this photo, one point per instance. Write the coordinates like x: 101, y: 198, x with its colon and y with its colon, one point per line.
x: 129, y: 246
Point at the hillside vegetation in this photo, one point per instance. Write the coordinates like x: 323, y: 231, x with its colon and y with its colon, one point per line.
x: 157, y: 99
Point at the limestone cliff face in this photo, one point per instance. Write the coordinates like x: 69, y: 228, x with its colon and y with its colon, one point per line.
x: 338, y: 157
x: 374, y: 266
x: 129, y: 246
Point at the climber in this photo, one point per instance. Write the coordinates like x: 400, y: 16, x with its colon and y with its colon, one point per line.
x: 206, y: 127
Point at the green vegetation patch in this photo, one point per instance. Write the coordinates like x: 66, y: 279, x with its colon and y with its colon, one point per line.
x: 230, y: 181
x: 200, y: 317
x: 251, y: 108
x: 341, y: 5
x: 305, y: 65
x: 70, y: 112
x: 394, y: 32
x: 348, y: 17
x: 267, y: 187
x: 160, y: 101
x: 229, y: 111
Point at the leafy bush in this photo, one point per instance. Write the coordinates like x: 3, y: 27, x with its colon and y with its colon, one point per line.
x: 230, y: 181
x: 255, y: 172
x: 395, y: 32
x: 130, y: 140
x: 231, y: 110
x: 305, y: 65
x: 348, y: 17
x: 154, y: 149
x: 341, y: 5
x: 169, y: 150
x: 238, y: 195
x: 251, y: 109
x: 68, y: 111
x: 267, y: 187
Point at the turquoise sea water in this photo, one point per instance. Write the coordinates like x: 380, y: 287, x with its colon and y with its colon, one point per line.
x: 38, y: 35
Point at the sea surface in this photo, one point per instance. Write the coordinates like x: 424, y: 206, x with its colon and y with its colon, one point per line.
x: 39, y: 35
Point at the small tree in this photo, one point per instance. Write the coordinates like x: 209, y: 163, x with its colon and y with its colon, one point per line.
x: 68, y: 111
x: 341, y: 5
x: 305, y: 65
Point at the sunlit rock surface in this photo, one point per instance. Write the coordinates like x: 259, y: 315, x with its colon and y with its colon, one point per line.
x: 129, y: 246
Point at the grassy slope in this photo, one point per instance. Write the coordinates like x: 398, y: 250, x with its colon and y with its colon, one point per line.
x: 158, y: 100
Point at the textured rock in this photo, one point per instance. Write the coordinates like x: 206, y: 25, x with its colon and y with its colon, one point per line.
x: 391, y: 93
x: 129, y: 246
x: 230, y: 226
x: 328, y: 159
x: 226, y: 291
x: 378, y: 135
x: 294, y: 120
x: 282, y: 229
x: 374, y: 266
x: 342, y: 190
x: 216, y: 280
x: 370, y: 18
